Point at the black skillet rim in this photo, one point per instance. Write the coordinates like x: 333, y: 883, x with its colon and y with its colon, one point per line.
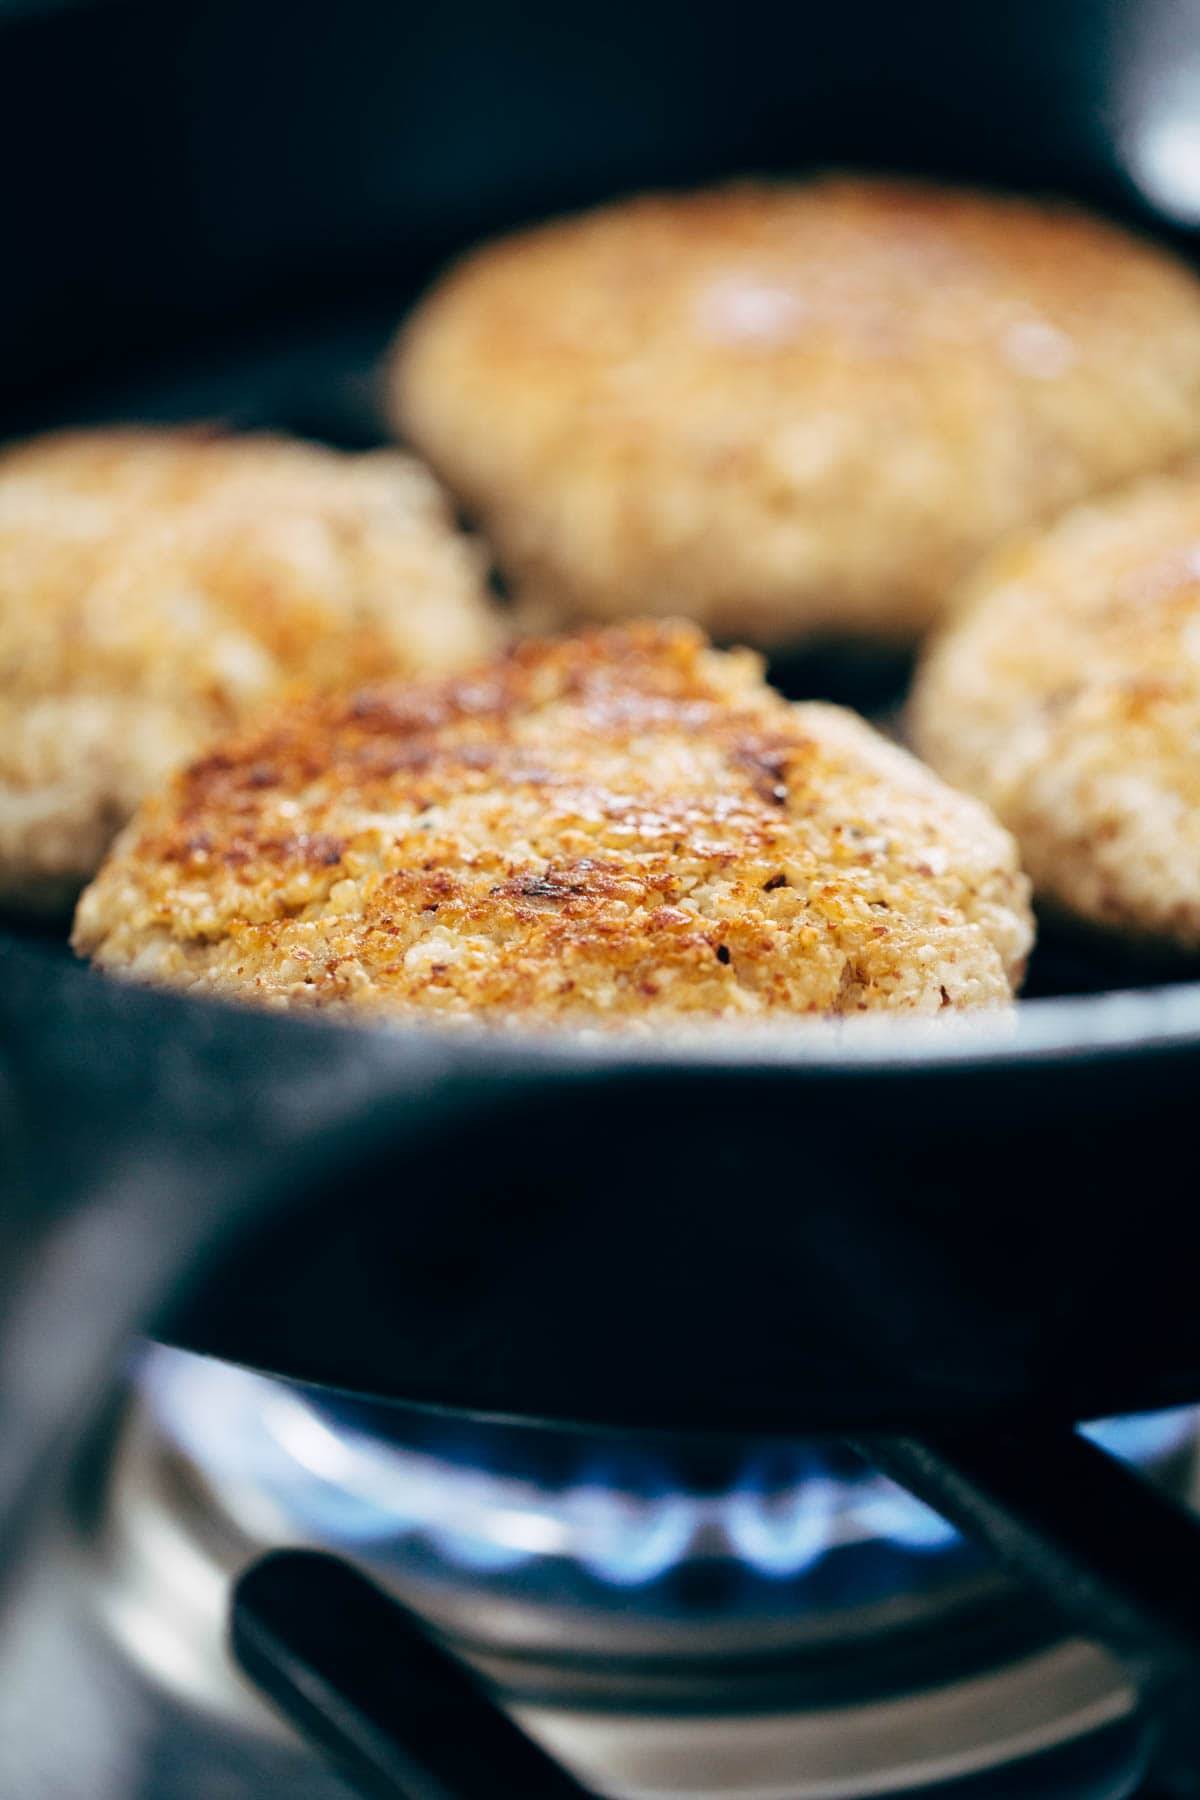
x: 1107, y: 1026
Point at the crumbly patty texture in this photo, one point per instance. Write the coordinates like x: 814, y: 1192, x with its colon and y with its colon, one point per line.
x: 623, y: 827
x: 157, y: 585
x: 794, y: 409
x: 1067, y: 694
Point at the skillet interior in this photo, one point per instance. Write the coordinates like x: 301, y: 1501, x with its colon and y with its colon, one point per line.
x: 806, y: 1232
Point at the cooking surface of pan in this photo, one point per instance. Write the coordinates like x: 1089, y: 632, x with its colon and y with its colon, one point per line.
x: 854, y: 1229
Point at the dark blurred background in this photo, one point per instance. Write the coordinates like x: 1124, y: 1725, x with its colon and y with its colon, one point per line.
x: 204, y: 171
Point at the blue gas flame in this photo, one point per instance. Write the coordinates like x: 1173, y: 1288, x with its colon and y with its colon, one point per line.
x: 621, y: 1516
x: 628, y: 1523
x: 886, y: 1512
x: 472, y: 1550
x: 781, y: 1515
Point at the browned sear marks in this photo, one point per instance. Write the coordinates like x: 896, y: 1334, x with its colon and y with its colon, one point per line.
x: 624, y: 827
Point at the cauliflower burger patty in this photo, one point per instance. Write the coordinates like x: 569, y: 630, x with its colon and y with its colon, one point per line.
x: 623, y: 827
x: 1066, y: 693
x: 156, y: 585
x: 789, y: 410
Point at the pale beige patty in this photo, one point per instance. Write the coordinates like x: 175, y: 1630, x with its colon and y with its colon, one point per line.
x: 624, y: 827
x: 792, y: 409
x: 1067, y: 694
x: 155, y: 586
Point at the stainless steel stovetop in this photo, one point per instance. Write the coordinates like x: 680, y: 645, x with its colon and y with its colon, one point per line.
x: 766, y: 1623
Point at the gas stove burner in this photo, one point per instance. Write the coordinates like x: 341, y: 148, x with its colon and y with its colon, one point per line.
x: 670, y: 1618
x: 493, y: 1499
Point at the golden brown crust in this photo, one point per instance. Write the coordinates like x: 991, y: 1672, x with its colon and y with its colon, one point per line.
x: 1066, y: 692
x: 624, y: 827
x: 156, y: 585
x: 786, y: 409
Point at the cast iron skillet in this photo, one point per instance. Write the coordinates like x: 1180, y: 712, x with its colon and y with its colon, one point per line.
x: 908, y: 1230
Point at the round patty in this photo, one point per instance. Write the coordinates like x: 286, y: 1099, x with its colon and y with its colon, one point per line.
x: 787, y: 410
x: 1067, y: 694
x: 623, y: 827
x: 156, y: 585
